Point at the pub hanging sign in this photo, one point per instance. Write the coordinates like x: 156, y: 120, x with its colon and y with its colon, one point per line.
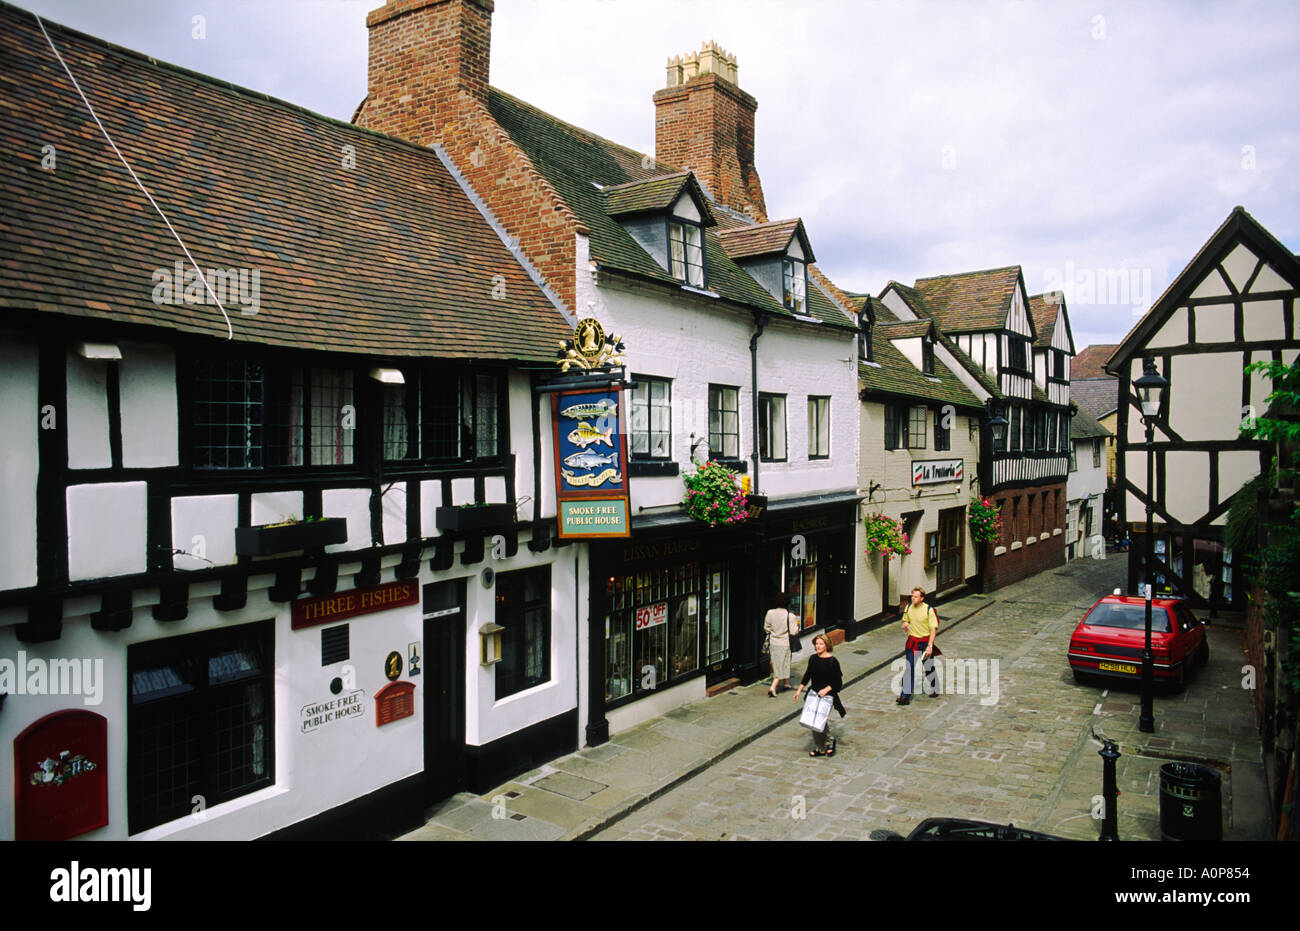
x: 591, y: 486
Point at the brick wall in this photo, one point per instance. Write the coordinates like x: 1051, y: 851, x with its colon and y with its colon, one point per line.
x: 428, y: 82
x: 707, y: 125
x: 1026, y: 511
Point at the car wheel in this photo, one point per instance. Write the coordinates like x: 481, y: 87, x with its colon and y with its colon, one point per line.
x: 1179, y: 682
x: 1203, y: 654
x: 1080, y: 678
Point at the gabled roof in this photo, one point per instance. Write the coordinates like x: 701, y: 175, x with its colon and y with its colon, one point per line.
x: 969, y: 301
x: 656, y: 195
x: 745, y: 242
x: 574, y: 160
x: 1091, y: 362
x: 1240, y: 226
x: 1045, y: 313
x: 1083, y: 426
x: 387, y: 255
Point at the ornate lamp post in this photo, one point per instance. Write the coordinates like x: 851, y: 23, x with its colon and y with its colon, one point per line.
x: 1150, y: 389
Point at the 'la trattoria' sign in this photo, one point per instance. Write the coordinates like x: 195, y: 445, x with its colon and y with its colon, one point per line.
x: 936, y: 471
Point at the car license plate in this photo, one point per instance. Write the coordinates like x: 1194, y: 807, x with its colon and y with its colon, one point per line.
x: 1117, y: 667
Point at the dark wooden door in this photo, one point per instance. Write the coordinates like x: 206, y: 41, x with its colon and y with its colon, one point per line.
x: 952, y: 529
x: 444, y: 689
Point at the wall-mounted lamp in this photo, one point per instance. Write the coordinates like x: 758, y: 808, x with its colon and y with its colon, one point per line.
x: 490, y: 644
x: 704, y: 440
x: 102, y: 351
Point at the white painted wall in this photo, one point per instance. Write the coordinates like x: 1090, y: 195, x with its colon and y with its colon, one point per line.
x: 87, y: 414
x: 106, y: 529
x: 147, y: 394
x: 19, y: 425
x: 204, y: 525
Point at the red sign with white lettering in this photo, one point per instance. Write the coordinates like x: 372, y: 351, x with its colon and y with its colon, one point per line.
x: 394, y: 701
x: 61, y: 776
x: 652, y: 615
x: 313, y: 611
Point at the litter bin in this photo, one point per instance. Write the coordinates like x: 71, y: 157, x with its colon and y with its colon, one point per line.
x: 1190, y: 803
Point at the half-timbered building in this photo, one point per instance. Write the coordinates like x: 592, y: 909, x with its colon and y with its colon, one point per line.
x: 275, y: 500
x: 984, y: 318
x: 919, y: 460
x: 738, y: 349
x: 1234, y: 304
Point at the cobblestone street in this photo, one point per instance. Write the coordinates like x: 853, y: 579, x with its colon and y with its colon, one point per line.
x: 1023, y: 752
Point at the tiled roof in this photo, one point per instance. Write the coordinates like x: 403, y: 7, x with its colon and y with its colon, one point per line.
x: 969, y: 301
x: 1083, y: 426
x: 362, y: 243
x: 745, y: 242
x: 899, y: 378
x: 1044, y: 313
x: 904, y: 329
x: 1091, y: 362
x: 1097, y: 396
x: 571, y: 159
x: 655, y: 195
x: 987, y: 381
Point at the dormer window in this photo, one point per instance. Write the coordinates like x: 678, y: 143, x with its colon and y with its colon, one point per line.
x: 686, y: 252
x: 795, y: 278
x: 864, y: 339
x: 927, y: 355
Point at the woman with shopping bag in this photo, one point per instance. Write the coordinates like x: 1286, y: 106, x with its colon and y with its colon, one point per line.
x: 826, y: 680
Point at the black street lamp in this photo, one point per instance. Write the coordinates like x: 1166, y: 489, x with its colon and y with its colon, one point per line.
x: 997, y: 427
x: 1150, y: 389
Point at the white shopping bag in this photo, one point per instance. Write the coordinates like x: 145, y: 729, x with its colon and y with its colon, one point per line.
x: 816, y: 710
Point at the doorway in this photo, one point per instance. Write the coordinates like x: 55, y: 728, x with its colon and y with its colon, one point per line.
x: 952, y: 564
x: 444, y: 689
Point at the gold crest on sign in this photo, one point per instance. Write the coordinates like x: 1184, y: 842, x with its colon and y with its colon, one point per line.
x: 590, y: 348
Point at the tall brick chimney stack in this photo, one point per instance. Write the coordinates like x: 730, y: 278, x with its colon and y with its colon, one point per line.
x: 423, y: 55
x: 705, y: 122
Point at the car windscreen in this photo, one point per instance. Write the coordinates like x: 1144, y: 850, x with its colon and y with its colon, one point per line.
x: 1128, y: 617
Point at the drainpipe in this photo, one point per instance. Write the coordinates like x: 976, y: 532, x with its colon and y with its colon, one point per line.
x: 760, y: 321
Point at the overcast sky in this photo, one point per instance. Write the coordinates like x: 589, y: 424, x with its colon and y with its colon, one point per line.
x: 1084, y: 141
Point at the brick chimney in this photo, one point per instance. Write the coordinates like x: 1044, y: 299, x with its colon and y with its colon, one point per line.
x: 705, y: 122
x: 423, y: 54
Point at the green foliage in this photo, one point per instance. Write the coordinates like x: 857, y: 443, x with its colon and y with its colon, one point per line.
x: 1285, y: 400
x: 713, y: 495
x: 886, y: 535
x: 985, y: 520
x: 1241, y: 532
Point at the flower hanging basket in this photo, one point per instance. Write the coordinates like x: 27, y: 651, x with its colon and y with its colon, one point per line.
x: 886, y: 535
x: 713, y: 495
x: 985, y: 520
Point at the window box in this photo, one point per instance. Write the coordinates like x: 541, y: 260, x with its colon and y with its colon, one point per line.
x: 474, y: 516
x: 269, y: 539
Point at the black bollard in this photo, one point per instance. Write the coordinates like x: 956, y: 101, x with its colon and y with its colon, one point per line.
x: 1109, y: 753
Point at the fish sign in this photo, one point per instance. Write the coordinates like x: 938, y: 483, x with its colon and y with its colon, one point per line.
x: 590, y: 463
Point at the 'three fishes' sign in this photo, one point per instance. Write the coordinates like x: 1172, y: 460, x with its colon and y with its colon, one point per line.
x: 591, y: 485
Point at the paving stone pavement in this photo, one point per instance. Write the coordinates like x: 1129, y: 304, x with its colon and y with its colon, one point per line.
x: 1013, y: 739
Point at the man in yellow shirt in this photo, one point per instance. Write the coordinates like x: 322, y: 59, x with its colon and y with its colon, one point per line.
x: 921, y: 624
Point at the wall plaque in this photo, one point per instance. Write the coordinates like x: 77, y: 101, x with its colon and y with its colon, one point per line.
x: 61, y: 776
x: 394, y: 702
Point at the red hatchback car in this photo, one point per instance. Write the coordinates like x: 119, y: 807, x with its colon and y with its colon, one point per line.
x: 1109, y: 640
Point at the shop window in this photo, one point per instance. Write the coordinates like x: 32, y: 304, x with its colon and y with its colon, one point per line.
x: 801, y: 583
x: 523, y: 608
x: 200, y: 721
x: 771, y: 427
x: 724, y: 422
x: 653, y: 629
x: 819, y: 428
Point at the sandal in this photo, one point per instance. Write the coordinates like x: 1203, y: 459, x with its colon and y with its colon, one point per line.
x: 830, y: 751
x: 817, y: 753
